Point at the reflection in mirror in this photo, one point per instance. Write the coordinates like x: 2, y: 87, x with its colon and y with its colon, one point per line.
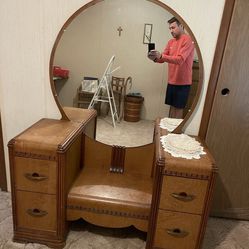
x: 117, y: 27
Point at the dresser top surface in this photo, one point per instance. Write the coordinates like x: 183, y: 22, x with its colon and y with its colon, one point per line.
x: 48, y: 131
x: 189, y: 167
x: 203, y: 166
x: 78, y: 114
x: 48, y: 136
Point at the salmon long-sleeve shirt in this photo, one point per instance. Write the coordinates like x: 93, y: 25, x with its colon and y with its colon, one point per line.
x: 179, y: 54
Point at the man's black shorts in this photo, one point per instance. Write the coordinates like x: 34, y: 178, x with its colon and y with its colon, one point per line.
x: 177, y: 95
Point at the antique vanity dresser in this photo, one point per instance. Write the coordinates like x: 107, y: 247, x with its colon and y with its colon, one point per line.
x: 59, y: 173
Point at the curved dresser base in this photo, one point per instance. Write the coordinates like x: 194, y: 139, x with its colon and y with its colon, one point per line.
x: 106, y: 220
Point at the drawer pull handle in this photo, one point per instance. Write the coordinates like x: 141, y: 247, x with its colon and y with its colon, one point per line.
x: 176, y: 232
x: 182, y: 196
x: 36, y: 212
x: 35, y: 177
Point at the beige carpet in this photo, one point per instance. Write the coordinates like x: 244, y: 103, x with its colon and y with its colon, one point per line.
x: 125, y: 133
x: 220, y: 233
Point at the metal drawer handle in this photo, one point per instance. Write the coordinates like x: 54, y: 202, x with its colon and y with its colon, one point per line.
x: 176, y: 232
x: 35, y: 177
x: 182, y: 196
x: 36, y: 212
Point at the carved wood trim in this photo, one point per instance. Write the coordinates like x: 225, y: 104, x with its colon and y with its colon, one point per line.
x: 186, y: 175
x: 108, y: 212
x: 157, y: 186
x: 118, y: 158
x: 206, y: 210
x: 62, y: 226
x: 70, y: 139
x: 35, y: 156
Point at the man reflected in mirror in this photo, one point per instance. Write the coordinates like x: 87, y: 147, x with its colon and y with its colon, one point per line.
x: 179, y: 54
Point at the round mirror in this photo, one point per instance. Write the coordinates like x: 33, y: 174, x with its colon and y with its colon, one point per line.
x: 102, y: 29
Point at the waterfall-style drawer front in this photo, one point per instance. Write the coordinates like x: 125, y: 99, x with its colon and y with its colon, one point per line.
x: 36, y: 211
x: 183, y: 194
x: 176, y: 230
x: 35, y: 175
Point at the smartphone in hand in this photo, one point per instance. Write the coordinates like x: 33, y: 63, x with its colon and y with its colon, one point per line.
x: 151, y: 46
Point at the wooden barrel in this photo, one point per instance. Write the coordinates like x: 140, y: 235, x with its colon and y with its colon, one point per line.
x: 132, y: 108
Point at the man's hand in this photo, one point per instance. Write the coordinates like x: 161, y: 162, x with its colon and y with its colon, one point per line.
x: 154, y: 55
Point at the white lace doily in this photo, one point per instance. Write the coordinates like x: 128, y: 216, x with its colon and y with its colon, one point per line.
x: 170, y: 123
x: 182, y: 145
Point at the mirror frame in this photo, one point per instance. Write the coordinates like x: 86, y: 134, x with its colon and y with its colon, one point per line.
x: 180, y: 127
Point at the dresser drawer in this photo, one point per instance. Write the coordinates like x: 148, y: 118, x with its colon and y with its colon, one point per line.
x: 183, y: 194
x: 35, y: 175
x: 36, y: 211
x: 176, y: 230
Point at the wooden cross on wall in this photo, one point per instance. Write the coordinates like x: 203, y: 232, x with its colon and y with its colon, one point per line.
x: 119, y: 30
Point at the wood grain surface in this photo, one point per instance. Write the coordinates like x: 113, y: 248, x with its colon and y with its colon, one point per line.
x: 228, y: 130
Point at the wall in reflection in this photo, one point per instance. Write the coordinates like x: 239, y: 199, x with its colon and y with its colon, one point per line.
x: 92, y: 38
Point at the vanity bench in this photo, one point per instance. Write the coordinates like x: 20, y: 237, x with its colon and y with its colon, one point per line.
x: 60, y: 173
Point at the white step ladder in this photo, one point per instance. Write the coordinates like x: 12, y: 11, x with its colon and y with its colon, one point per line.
x: 105, y: 83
